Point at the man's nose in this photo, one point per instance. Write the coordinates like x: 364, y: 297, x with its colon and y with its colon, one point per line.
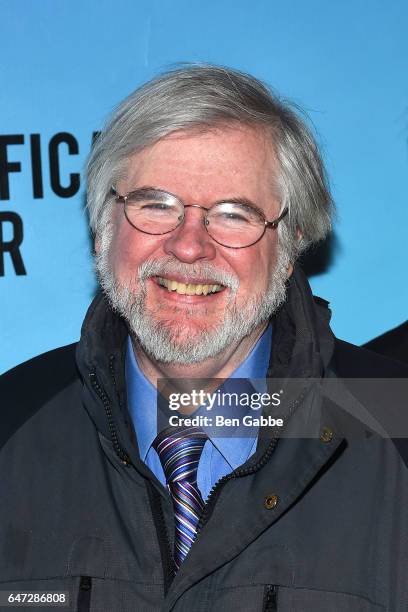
x: 190, y: 241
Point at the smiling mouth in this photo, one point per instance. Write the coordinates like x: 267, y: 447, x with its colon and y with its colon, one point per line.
x: 188, y: 288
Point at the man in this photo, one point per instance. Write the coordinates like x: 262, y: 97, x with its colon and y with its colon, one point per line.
x: 202, y: 191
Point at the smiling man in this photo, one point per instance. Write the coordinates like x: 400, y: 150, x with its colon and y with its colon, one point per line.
x: 208, y: 280
x: 203, y: 190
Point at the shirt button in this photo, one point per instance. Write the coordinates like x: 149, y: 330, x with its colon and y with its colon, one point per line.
x: 326, y: 434
x: 271, y: 501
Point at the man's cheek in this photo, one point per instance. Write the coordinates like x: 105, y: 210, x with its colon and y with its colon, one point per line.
x: 124, y: 263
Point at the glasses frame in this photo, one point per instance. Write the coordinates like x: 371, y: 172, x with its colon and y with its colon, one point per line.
x: 273, y: 224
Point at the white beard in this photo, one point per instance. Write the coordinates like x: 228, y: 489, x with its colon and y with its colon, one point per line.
x: 169, y: 343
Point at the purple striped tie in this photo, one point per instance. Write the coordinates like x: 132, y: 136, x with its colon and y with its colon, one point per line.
x: 180, y: 451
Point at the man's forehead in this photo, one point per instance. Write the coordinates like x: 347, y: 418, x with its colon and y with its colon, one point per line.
x: 203, y: 134
x: 206, y: 157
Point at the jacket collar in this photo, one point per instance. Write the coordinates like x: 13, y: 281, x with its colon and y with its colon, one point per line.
x: 303, y: 341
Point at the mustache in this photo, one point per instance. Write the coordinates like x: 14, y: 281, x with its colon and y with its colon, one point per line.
x: 195, y: 271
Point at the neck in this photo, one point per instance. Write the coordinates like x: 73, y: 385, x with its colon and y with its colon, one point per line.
x: 220, y: 366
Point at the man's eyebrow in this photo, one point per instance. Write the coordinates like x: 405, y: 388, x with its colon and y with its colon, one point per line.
x: 243, y: 202
x: 148, y: 188
x: 233, y: 200
x: 154, y: 192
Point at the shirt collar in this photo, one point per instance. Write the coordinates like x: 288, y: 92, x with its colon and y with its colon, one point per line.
x: 143, y: 402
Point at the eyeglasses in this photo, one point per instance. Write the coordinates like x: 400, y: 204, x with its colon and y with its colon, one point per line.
x: 231, y: 224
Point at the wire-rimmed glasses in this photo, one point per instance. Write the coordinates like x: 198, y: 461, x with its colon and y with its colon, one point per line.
x: 235, y: 224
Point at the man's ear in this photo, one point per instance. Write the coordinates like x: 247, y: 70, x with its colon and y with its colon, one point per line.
x: 290, y: 270
x: 299, y: 237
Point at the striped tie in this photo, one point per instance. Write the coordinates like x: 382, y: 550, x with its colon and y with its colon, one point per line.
x: 180, y: 451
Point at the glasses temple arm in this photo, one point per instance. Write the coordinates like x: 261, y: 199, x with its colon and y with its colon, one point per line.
x: 275, y: 222
x: 118, y: 197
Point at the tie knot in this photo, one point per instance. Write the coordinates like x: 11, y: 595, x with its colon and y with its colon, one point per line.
x: 180, y: 451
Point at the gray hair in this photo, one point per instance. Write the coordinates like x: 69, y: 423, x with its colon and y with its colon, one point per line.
x: 204, y: 96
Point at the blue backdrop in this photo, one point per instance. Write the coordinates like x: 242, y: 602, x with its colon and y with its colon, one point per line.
x: 65, y: 64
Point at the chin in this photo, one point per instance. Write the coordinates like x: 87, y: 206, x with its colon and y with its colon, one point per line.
x: 180, y: 343
x: 186, y: 330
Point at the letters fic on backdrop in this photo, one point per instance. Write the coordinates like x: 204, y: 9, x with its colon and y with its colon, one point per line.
x: 65, y: 65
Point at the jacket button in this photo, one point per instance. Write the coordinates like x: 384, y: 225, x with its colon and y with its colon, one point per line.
x: 327, y: 434
x: 271, y: 501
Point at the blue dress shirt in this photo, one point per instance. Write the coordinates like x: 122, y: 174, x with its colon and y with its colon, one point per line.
x: 221, y: 455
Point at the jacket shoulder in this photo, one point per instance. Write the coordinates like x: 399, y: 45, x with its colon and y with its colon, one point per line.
x: 28, y: 386
x: 393, y: 344
x: 351, y: 361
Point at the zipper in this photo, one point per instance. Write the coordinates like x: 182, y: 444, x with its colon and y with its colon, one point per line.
x: 270, y: 601
x: 107, y: 404
x: 155, y: 501
x: 215, y: 491
x: 167, y: 559
x: 113, y: 377
x: 239, y: 473
x: 84, y: 594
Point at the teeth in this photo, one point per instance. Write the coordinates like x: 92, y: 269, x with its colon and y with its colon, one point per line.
x: 189, y: 288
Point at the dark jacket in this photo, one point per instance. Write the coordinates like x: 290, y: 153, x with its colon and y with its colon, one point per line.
x: 308, y: 524
x: 393, y: 343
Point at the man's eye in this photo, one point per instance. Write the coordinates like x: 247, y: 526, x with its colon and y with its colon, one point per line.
x: 156, y: 207
x: 231, y: 217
